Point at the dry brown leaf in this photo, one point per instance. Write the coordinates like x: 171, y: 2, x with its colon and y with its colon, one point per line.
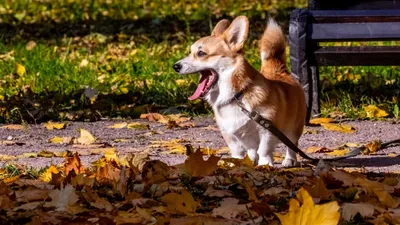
x: 181, y: 203
x: 319, y: 190
x: 318, y: 149
x: 379, y: 190
x: 63, y: 199
x: 72, y: 164
x: 338, y: 127
x: 196, y: 166
x: 274, y: 191
x: 31, y: 195
x: 372, y: 147
x: 30, y: 45
x: 230, y: 209
x: 13, y: 127
x: 351, y: 209
x: 212, y: 192
x: 308, y: 212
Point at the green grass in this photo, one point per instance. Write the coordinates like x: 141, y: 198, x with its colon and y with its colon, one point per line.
x: 124, y: 51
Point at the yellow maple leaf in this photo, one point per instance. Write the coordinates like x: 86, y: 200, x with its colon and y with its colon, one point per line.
x: 308, y: 213
x: 58, y: 126
x: 137, y: 125
x: 321, y: 120
x: 374, y: 112
x: 196, y: 166
x: 182, y: 203
x: 339, y: 152
x: 111, y: 155
x: 118, y: 125
x: 338, y: 127
x: 86, y: 138
x: 20, y: 69
x: 47, y: 175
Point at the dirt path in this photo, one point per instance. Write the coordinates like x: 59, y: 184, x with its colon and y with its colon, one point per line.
x: 205, y: 134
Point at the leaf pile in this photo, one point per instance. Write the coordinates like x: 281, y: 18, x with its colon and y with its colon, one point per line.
x: 207, y: 191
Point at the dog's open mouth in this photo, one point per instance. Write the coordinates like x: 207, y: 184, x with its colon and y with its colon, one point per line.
x: 207, y: 79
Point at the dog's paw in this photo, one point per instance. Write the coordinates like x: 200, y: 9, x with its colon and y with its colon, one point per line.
x: 289, y: 162
x: 262, y: 161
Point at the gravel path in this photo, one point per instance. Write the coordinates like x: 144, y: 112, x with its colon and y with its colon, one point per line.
x: 205, y: 134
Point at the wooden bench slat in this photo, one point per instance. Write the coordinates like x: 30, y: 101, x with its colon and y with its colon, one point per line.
x: 354, y: 16
x: 353, y: 4
x: 354, y: 31
x: 358, y: 56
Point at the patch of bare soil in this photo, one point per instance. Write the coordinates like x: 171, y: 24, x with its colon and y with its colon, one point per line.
x: 205, y: 134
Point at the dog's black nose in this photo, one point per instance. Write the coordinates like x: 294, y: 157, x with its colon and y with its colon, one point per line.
x: 177, y: 67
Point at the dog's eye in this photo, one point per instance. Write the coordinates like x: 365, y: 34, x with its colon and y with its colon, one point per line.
x: 201, y: 54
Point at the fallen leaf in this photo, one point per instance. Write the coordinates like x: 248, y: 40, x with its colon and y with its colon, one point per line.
x: 230, y: 209
x: 182, y: 203
x: 308, y: 212
x: 372, y: 147
x: 196, y: 166
x: 13, y: 127
x: 339, y: 152
x: 321, y: 120
x: 274, y: 191
x: 137, y: 125
x: 338, y: 127
x: 20, y: 69
x: 212, y: 192
x: 30, y: 45
x: 319, y: 190
x: 374, y: 112
x: 61, y: 140
x: 379, y: 190
x: 351, y: 209
x: 318, y: 149
x: 86, y: 138
x: 118, y: 125
x: 58, y: 126
x: 62, y: 199
x: 47, y: 175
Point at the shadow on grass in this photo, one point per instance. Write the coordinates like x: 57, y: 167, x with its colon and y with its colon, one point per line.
x: 156, y: 29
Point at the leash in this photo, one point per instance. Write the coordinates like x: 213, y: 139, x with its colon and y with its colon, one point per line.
x: 267, y: 124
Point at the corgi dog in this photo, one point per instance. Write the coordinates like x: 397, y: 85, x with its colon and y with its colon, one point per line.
x: 272, y: 91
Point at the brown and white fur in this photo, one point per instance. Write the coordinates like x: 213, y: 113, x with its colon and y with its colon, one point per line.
x: 272, y: 92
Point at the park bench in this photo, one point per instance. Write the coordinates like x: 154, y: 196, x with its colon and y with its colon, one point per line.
x: 338, y: 21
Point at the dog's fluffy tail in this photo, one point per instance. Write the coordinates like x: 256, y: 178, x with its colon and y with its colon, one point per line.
x: 272, y: 47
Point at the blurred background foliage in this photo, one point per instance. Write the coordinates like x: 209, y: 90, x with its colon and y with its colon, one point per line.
x: 84, y: 60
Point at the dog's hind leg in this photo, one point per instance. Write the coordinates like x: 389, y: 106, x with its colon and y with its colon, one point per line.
x: 291, y: 157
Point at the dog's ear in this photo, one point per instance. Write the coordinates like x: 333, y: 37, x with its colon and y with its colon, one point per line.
x: 237, y: 32
x: 221, y: 26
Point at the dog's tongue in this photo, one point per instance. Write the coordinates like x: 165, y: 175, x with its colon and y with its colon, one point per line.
x: 200, y: 88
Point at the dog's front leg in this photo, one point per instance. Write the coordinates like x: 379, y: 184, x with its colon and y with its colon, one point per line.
x: 266, y: 149
x: 237, y: 150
